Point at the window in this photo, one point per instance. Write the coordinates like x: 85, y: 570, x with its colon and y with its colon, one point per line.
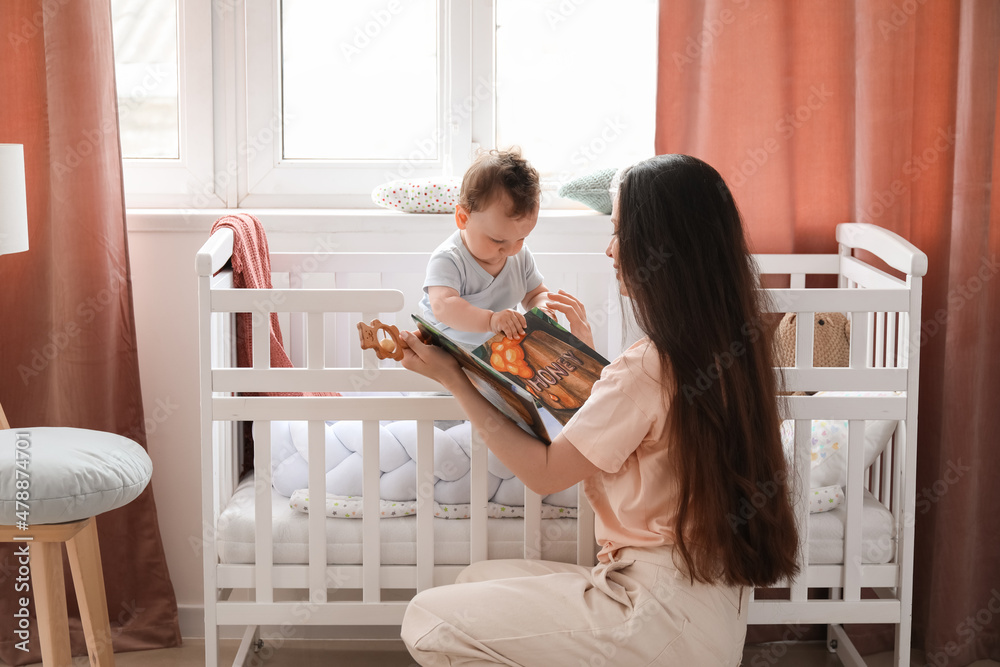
x: 146, y: 72
x: 163, y: 53
x: 347, y: 66
x: 311, y: 103
x: 576, y: 83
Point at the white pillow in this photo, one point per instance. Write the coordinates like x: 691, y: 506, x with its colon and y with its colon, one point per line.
x: 419, y: 195
x: 829, y: 442
x: 825, y: 498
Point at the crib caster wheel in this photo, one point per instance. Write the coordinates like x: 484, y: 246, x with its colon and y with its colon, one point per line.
x: 258, y: 645
x: 831, y: 646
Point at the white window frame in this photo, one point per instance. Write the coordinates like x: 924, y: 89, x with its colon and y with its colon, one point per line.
x: 187, y: 180
x: 230, y: 144
x: 267, y: 180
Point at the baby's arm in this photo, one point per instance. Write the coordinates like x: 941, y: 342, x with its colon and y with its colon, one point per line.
x: 450, y: 308
x: 536, y: 298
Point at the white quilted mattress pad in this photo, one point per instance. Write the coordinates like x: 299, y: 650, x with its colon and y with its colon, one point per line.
x: 397, y: 463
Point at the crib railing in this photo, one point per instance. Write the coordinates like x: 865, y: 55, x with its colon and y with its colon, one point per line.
x: 327, y: 293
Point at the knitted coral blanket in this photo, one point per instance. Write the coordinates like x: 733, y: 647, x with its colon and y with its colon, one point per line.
x: 251, y: 262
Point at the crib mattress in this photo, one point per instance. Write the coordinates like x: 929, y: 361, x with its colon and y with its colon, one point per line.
x: 235, y: 536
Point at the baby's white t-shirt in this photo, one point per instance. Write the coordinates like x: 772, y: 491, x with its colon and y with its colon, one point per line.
x: 452, y: 265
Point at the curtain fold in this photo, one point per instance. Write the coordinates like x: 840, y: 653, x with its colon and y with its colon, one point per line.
x: 880, y: 111
x: 67, y: 344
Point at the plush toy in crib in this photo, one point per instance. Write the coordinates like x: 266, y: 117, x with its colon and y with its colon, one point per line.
x: 831, y: 341
x: 386, y: 348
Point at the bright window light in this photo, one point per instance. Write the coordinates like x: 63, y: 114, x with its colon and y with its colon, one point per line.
x: 359, y: 79
x: 145, y: 34
x: 576, y: 83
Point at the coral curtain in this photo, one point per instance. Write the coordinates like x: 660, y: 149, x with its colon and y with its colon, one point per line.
x: 67, y: 341
x: 882, y: 111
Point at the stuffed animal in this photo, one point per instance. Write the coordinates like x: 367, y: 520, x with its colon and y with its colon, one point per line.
x: 831, y: 341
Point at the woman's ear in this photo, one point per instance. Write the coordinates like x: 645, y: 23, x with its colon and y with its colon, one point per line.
x: 461, y: 217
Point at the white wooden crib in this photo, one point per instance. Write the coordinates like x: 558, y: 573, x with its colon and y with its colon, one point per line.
x: 322, y: 295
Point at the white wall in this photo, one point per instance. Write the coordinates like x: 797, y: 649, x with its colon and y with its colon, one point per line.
x: 162, y: 247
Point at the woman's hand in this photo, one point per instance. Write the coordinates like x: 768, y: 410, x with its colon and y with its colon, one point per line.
x: 574, y: 311
x: 430, y: 361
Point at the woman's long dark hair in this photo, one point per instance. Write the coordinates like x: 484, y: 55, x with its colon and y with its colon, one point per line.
x: 685, y: 263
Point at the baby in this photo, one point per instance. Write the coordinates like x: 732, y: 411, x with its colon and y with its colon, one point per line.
x: 477, y: 277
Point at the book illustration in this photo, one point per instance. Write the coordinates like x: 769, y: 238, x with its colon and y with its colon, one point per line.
x: 510, y: 399
x: 548, y: 362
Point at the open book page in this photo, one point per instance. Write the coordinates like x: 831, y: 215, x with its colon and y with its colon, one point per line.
x: 508, y: 397
x: 548, y: 362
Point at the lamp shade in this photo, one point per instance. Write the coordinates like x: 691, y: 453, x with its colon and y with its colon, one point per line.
x: 13, y: 200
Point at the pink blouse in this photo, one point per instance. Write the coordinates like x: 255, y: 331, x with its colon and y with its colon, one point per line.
x: 618, y: 429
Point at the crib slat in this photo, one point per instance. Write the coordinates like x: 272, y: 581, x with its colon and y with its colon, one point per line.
x: 532, y: 525
x: 880, y: 340
x: 860, y: 340
x: 885, y: 487
x: 263, y: 557
x: 854, y: 495
x: 479, y: 498
x: 315, y: 355
x: 875, y: 477
x: 804, y: 325
x: 585, y: 538
x: 371, y: 552
x: 800, y: 487
x: 261, y: 339
x: 317, y: 511
x: 870, y: 341
x: 425, y: 505
x: 890, y: 340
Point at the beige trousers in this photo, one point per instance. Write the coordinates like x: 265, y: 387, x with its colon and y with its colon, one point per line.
x: 638, y: 610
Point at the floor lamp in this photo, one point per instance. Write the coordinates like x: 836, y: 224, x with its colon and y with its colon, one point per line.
x: 13, y: 210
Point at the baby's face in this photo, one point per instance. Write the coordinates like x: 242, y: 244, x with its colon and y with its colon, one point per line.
x: 491, y: 235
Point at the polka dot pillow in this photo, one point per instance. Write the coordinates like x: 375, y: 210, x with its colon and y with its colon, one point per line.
x: 419, y: 195
x: 825, y: 498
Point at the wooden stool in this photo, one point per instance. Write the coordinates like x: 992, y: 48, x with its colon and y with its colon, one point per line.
x: 46, y: 565
x: 67, y: 477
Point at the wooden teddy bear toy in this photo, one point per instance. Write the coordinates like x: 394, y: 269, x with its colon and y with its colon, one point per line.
x: 387, y: 348
x: 831, y: 341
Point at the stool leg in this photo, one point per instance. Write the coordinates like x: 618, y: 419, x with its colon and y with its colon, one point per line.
x: 50, y: 602
x: 88, y: 579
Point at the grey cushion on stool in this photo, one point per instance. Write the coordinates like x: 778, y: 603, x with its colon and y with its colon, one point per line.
x: 73, y: 473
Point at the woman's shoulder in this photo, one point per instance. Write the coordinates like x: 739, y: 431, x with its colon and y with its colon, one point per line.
x: 637, y: 370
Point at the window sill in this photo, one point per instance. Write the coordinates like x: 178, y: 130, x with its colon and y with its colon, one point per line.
x: 375, y: 221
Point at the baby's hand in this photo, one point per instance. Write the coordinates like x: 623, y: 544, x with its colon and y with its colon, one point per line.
x: 508, y: 322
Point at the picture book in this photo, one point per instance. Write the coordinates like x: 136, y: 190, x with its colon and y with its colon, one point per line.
x: 543, y: 375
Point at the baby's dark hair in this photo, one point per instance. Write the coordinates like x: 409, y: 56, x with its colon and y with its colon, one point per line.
x: 495, y: 172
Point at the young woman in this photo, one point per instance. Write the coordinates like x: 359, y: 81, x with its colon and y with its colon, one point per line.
x: 669, y: 464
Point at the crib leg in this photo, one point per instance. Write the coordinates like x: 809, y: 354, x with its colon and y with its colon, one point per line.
x: 212, y: 647
x: 902, y: 658
x: 843, y: 646
x: 250, y: 642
